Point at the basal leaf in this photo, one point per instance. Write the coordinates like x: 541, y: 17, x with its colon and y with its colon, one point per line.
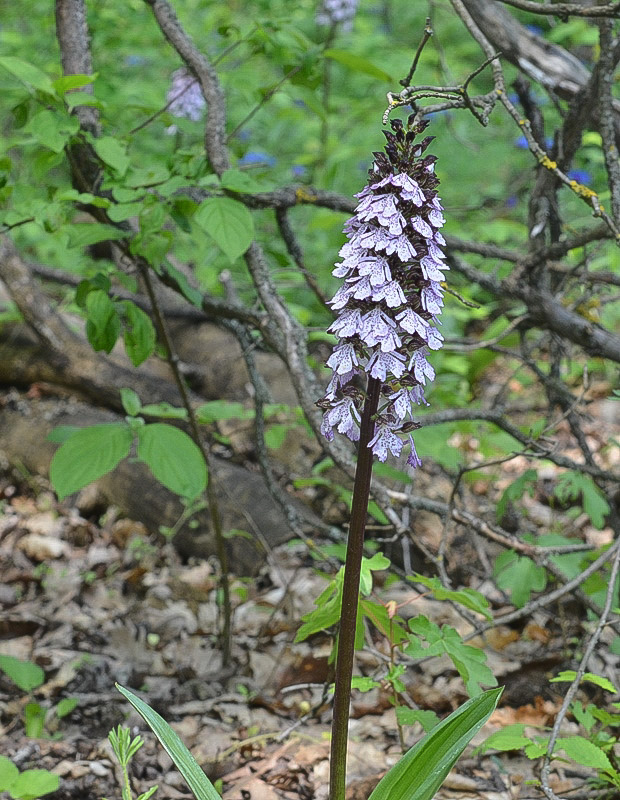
x: 228, y: 222
x: 87, y: 455
x: 420, y: 772
x: 200, y: 785
x: 173, y: 458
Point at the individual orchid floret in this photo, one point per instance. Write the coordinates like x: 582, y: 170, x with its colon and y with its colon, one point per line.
x: 391, y: 297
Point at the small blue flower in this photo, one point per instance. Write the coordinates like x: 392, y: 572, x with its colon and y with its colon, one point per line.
x: 299, y: 171
x: 522, y: 144
x: 580, y: 175
x: 511, y: 201
x: 255, y: 157
x: 536, y: 29
x: 134, y: 61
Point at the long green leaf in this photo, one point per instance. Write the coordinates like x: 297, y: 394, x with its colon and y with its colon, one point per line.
x: 422, y: 770
x: 184, y: 761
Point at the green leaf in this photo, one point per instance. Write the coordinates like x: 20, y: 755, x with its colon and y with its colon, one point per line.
x: 66, y: 706
x: 569, y: 675
x: 228, y: 222
x: 27, y: 73
x: 189, y: 292
x: 52, y: 130
x: 8, y: 773
x: 82, y: 99
x: 520, y: 575
x: 409, y: 716
x: 275, y: 435
x: 34, y: 720
x: 200, y: 785
x: 81, y: 234
x: 173, y: 458
x: 516, y: 490
x: 420, y: 772
x: 216, y: 410
x: 103, y: 324
x: 33, y: 783
x: 68, y: 82
x: 112, y: 153
x: 509, y: 738
x: 469, y: 598
x: 164, y: 410
x: 584, y: 752
x: 327, y: 612
x: 61, y: 433
x: 364, y: 684
x: 236, y: 181
x: 358, y: 64
x: 87, y: 455
x: 131, y: 402
x: 469, y: 661
x: 139, y: 333
x: 573, y: 485
x: 25, y: 674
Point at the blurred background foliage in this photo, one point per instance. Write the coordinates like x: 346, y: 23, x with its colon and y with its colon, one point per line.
x: 303, y: 134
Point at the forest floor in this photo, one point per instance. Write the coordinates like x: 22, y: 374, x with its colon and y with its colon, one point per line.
x: 98, y: 600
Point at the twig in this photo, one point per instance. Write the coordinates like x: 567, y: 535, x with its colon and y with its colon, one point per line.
x: 214, y: 510
x: 428, y: 32
x: 565, y: 10
x: 583, y: 666
x: 294, y: 249
x: 265, y: 99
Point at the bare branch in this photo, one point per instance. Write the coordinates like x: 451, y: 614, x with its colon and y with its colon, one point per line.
x: 215, y: 130
x: 565, y: 10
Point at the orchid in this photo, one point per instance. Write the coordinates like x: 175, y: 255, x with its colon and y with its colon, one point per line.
x: 391, y: 296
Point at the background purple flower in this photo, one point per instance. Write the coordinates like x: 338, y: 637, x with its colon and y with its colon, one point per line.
x: 337, y: 12
x: 184, y: 98
x: 391, y: 296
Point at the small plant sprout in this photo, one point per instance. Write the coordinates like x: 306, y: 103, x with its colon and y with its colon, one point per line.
x: 125, y: 748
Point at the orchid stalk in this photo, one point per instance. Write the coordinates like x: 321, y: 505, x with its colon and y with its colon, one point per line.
x: 388, y: 308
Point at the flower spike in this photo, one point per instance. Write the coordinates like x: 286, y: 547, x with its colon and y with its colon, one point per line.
x: 391, y: 296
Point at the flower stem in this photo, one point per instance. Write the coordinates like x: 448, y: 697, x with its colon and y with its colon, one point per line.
x: 350, y: 596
